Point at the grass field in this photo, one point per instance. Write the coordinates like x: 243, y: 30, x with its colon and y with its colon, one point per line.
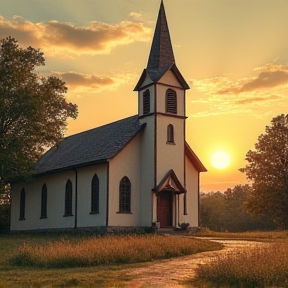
x: 80, y: 261
x: 262, y: 267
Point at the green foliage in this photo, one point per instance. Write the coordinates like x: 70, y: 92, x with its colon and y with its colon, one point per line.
x: 4, y: 207
x: 227, y: 211
x: 33, y: 109
x: 267, y: 168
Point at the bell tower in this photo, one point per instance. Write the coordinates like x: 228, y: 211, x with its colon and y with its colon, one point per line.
x: 161, y: 105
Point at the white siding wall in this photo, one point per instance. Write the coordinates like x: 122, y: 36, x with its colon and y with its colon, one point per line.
x: 147, y: 171
x: 125, y: 163
x: 56, y: 184
x: 85, y: 175
x: 192, y: 194
x: 170, y: 156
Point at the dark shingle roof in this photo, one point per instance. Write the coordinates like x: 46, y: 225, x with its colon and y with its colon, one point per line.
x: 161, y: 57
x: 88, y: 147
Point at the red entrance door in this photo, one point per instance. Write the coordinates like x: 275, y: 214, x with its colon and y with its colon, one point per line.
x: 164, y: 208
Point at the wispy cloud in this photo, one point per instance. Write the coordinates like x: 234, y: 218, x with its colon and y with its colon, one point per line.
x: 79, y: 83
x: 55, y: 37
x: 265, y: 92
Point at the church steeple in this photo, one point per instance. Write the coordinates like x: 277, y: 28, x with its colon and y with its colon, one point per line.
x: 161, y: 56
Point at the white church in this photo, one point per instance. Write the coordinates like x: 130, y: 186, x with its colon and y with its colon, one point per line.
x: 129, y: 173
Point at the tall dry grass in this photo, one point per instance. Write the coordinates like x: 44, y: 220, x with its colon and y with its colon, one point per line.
x: 265, y: 266
x: 254, y: 235
x: 108, y: 250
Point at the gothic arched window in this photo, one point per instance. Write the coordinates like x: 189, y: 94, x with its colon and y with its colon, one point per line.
x: 146, y: 102
x: 125, y: 195
x: 68, y: 199
x: 22, y: 205
x: 44, y: 202
x: 171, y: 101
x: 170, y: 133
x: 95, y: 195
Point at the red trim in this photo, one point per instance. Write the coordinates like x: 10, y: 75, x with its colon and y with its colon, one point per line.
x: 107, y: 194
x: 194, y: 159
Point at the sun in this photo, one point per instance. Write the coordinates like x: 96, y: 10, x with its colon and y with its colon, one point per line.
x: 220, y: 160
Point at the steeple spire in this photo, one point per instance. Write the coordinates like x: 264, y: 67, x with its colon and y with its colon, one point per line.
x: 161, y: 56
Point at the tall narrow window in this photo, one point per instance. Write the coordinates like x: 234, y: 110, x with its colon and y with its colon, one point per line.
x: 170, y: 133
x: 185, y: 203
x: 44, y: 202
x: 68, y: 198
x: 171, y: 101
x: 22, y: 205
x: 95, y: 195
x: 125, y: 195
x: 146, y: 102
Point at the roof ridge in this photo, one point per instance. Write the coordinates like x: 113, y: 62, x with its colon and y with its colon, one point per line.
x: 104, y: 125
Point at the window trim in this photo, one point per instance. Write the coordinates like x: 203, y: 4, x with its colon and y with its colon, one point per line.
x: 95, y: 195
x: 68, y: 205
x: 170, y: 134
x: 125, y: 196
x: 44, y: 193
x: 171, y: 101
x: 146, y: 102
x: 22, y: 204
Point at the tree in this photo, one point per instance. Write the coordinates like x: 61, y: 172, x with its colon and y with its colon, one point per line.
x: 267, y: 168
x: 33, y: 110
x: 227, y: 212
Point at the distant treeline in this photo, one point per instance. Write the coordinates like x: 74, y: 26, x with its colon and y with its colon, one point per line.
x: 226, y: 211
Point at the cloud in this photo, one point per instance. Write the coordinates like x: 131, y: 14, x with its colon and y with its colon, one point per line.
x: 55, y: 37
x: 79, y: 82
x: 257, y: 99
x: 268, y: 76
x: 263, y: 93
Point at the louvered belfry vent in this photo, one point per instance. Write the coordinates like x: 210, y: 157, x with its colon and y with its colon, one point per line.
x: 171, y: 101
x: 146, y: 102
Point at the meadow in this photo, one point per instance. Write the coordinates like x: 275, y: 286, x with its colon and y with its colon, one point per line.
x: 68, y: 260
x: 71, y: 260
x: 264, y: 267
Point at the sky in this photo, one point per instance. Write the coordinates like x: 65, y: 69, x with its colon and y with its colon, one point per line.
x: 233, y: 54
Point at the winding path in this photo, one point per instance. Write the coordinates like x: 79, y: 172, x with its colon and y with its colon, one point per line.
x: 168, y: 273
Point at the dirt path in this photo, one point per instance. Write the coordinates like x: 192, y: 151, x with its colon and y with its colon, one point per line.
x: 168, y: 273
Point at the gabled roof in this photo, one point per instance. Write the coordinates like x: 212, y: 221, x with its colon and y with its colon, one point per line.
x: 194, y: 159
x: 89, y: 147
x: 171, y: 183
x: 161, y: 57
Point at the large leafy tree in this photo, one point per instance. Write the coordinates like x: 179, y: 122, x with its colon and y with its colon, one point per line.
x: 267, y: 168
x: 33, y: 110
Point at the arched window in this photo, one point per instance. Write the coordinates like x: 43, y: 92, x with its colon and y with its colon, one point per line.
x: 146, y: 102
x: 68, y: 198
x: 44, y: 202
x: 170, y: 133
x: 125, y: 195
x: 95, y: 195
x: 171, y: 101
x: 22, y: 205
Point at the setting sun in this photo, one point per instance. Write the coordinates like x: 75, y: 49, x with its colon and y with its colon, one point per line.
x: 220, y: 160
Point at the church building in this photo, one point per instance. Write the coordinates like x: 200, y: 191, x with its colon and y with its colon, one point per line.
x: 129, y: 173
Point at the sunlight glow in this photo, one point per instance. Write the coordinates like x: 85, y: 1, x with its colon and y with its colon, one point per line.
x: 220, y: 160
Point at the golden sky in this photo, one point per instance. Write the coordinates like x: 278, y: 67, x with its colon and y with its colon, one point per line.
x: 233, y: 54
